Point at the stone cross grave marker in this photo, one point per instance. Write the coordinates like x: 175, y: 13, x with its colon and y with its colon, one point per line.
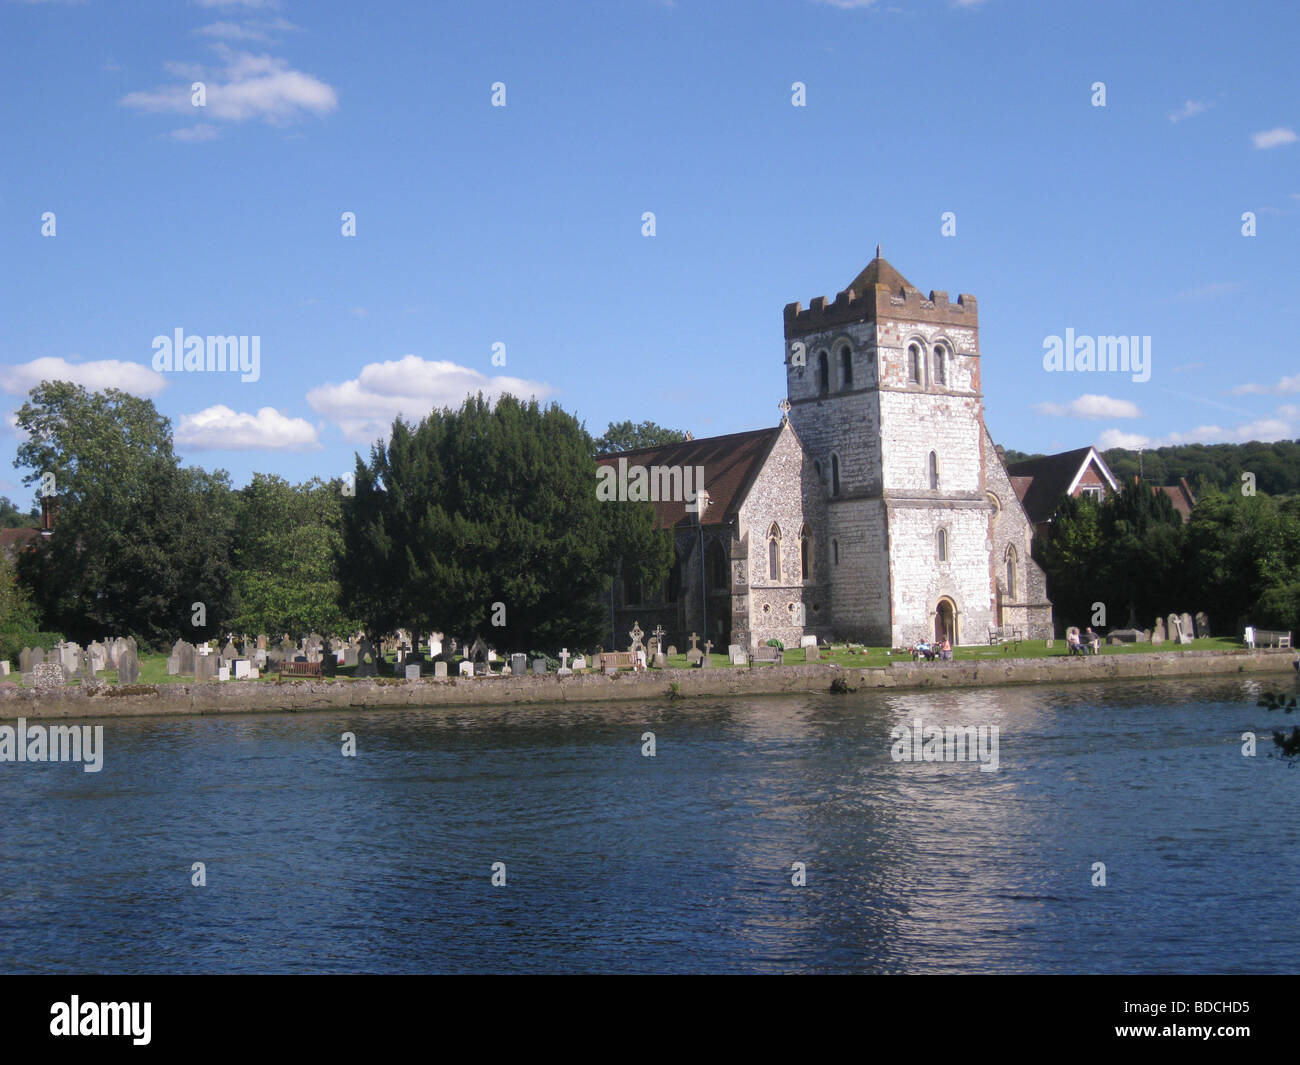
x: 564, y: 669
x: 694, y: 655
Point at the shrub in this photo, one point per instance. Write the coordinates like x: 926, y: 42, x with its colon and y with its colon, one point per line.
x: 777, y: 644
x: 12, y: 643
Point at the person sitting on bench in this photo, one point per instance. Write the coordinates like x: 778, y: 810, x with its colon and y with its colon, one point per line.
x: 1073, y: 643
x: 1093, y: 641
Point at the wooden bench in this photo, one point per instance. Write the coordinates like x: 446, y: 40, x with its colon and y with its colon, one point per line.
x: 618, y: 660
x: 999, y: 634
x: 767, y: 654
x: 300, y: 669
x: 1271, y: 638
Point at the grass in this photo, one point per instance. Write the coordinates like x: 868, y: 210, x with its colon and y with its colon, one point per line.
x: 153, y: 667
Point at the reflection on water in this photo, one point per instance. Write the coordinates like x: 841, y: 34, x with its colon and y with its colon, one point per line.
x: 681, y: 862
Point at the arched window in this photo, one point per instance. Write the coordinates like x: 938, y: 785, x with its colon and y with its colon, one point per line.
x: 835, y: 552
x: 823, y: 373
x: 934, y: 471
x: 940, y: 365
x: 914, y: 363
x: 835, y: 475
x: 846, y: 367
x: 631, y: 589
x: 673, y: 589
x: 805, y: 554
x: 817, y: 465
x: 719, y: 578
x: 941, y: 544
x: 1011, y: 574
x: 774, y: 553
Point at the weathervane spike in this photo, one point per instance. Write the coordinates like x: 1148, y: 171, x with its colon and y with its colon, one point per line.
x: 877, y: 251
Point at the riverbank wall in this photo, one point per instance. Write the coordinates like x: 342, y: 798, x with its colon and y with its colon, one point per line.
x: 235, y: 697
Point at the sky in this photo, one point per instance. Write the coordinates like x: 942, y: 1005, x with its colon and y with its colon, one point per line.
x: 1103, y: 167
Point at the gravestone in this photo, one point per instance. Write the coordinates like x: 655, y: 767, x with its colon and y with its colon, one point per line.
x: 46, y: 675
x: 1158, y: 633
x: 564, y: 669
x: 38, y: 656
x: 349, y: 656
x: 660, y: 660
x: 1202, y: 625
x: 1187, y: 629
x: 672, y: 649
x: 580, y: 663
x: 694, y: 655
x: 440, y: 669
x: 413, y: 672
x: 539, y: 666
x: 435, y: 644
x: 656, y: 642
x: 261, y: 641
x: 69, y: 657
x: 206, y: 667
x: 518, y: 665
x: 117, y: 648
x: 1173, y: 627
x: 128, y: 667
x: 228, y: 652
x: 636, y: 635
x: 466, y: 668
x: 173, y: 665
x: 738, y: 655
x: 242, y: 668
x: 329, y: 663
x: 810, y: 653
x: 97, y: 656
x: 25, y: 660
x: 188, y: 656
x: 807, y: 641
x: 365, y: 659
x: 223, y: 670
x: 705, y: 659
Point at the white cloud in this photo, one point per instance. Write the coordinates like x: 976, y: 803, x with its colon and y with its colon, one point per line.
x: 221, y: 429
x: 97, y: 375
x: 256, y: 4
x: 1189, y: 110
x: 1283, y: 425
x: 194, y: 134
x: 849, y: 5
x: 1272, y: 138
x: 248, y: 86
x: 411, y: 387
x: 1283, y: 386
x: 245, y: 31
x: 1088, y: 406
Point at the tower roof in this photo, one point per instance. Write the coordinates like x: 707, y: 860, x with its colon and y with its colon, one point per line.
x: 881, y: 272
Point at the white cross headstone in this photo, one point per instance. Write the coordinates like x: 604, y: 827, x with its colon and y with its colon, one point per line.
x: 564, y: 669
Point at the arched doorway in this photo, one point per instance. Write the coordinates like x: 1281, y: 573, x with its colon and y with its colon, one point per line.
x: 945, y: 621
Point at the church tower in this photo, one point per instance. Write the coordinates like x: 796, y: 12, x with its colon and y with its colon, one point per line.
x: 884, y: 388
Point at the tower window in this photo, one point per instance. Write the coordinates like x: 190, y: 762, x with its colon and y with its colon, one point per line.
x: 1011, y: 574
x: 846, y: 367
x: 835, y: 552
x: 940, y: 365
x: 805, y: 554
x: 774, y: 552
x: 914, y: 363
x: 835, y: 475
x: 934, y: 471
x: 823, y: 373
x: 941, y: 544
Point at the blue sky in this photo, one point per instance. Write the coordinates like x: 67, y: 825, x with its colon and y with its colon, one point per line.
x: 522, y: 225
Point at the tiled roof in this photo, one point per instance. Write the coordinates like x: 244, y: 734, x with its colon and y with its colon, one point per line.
x: 730, y: 465
x: 880, y: 272
x: 14, y: 540
x: 1049, y: 477
x: 1180, y: 495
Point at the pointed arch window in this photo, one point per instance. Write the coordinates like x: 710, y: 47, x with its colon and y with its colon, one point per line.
x: 774, y: 553
x: 719, y: 579
x: 846, y: 367
x: 835, y: 475
x: 835, y: 552
x: 1012, y: 559
x: 934, y: 471
x: 805, y: 554
x: 823, y: 373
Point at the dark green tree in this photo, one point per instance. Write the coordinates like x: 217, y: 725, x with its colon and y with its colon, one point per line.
x: 138, y: 540
x: 626, y: 436
x: 490, y: 505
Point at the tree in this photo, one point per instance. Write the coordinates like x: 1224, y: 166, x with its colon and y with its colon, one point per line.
x: 11, y: 517
x: 625, y: 436
x: 139, y: 540
x: 287, y: 538
x: 485, y: 520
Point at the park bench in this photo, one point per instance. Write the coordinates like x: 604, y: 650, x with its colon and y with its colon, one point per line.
x: 300, y: 669
x: 618, y: 659
x: 999, y: 634
x: 1268, y: 638
x: 767, y: 654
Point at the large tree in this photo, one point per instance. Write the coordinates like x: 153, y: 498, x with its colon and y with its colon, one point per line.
x: 490, y: 505
x: 138, y: 540
x: 287, y: 538
x: 627, y: 436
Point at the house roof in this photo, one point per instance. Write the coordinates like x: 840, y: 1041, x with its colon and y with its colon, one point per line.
x: 1181, y: 496
x: 730, y: 465
x: 14, y: 540
x: 1040, y: 482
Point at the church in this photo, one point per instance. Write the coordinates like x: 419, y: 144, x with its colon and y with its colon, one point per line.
x: 878, y: 510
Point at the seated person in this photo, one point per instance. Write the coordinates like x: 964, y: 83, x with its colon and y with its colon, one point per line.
x: 1073, y: 643
x: 921, y: 649
x: 1093, y: 641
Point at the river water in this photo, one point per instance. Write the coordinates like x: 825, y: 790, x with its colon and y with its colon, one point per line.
x: 680, y: 862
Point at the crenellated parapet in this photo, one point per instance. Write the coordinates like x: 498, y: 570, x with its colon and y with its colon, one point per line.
x: 906, y: 303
